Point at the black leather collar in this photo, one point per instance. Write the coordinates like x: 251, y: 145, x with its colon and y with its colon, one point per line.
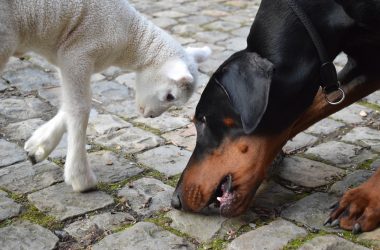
x: 328, y: 74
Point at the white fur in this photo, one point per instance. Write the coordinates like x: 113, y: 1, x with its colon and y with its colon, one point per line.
x: 82, y: 37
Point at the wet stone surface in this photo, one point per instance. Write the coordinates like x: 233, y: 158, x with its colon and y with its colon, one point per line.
x: 139, y: 160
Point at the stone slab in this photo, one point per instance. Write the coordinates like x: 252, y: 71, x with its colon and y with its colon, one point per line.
x: 350, y: 181
x: 26, y: 235
x: 164, y: 122
x: 373, y: 237
x: 104, y: 124
x: 25, y: 177
x: 8, y: 208
x: 31, y: 78
x: 200, y: 227
x: 62, y: 202
x: 130, y: 140
x: 10, y: 153
x: 341, y: 154
x: 312, y: 211
x: 299, y: 142
x: 272, y: 195
x: 184, y: 137
x: 147, y: 196
x: 21, y: 131
x: 351, y: 114
x: 273, y: 236
x: 330, y: 242
x: 105, y: 222
x: 325, y: 127
x: 307, y: 173
x: 169, y: 160
x: 23, y: 109
x: 110, y: 167
x: 364, y: 136
x: 143, y: 235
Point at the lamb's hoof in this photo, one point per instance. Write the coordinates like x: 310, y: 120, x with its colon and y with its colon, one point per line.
x: 82, y: 185
x: 37, y: 150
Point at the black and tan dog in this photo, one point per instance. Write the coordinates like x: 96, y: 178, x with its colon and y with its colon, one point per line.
x: 264, y: 95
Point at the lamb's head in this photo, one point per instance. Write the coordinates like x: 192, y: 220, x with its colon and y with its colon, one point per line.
x: 170, y: 84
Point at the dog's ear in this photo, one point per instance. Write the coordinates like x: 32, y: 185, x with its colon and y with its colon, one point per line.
x: 199, y: 54
x: 247, y: 77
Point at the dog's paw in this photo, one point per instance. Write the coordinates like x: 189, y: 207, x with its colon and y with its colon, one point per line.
x: 359, y: 209
x: 81, y: 182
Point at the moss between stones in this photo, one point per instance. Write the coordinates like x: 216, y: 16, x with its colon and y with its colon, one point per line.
x: 145, y: 127
x: 34, y: 215
x: 369, y: 105
x: 366, y: 165
x: 298, y: 242
x: 122, y: 228
x: 161, y: 220
x: 31, y: 213
x: 217, y: 244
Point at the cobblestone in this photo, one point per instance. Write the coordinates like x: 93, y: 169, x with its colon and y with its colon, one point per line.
x: 307, y: 173
x: 62, y: 203
x: 273, y: 236
x: 8, y: 208
x: 137, y: 160
x: 146, y: 196
x: 25, y: 177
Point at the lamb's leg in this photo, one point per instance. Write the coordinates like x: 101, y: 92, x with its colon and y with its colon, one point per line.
x: 76, y: 72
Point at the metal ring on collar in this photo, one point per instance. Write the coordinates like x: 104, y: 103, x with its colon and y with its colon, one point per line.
x: 339, y: 101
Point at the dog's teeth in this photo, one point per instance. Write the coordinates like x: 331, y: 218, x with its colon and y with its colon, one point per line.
x: 229, y: 183
x: 219, y: 199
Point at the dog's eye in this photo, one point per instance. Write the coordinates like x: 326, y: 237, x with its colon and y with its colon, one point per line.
x: 170, y: 97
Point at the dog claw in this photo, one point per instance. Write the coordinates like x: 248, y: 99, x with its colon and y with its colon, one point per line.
x: 334, y: 205
x: 335, y: 223
x: 356, y: 229
x: 327, y: 222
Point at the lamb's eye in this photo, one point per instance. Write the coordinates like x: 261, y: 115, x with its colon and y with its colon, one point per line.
x: 170, y: 97
x: 203, y: 119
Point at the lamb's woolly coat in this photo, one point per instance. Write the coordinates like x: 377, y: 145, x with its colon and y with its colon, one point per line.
x: 86, y: 36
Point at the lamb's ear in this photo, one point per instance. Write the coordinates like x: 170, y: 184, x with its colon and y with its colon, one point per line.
x: 247, y: 79
x: 178, y: 71
x: 199, y: 54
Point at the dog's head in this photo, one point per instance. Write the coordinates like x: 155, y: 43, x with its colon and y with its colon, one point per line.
x: 230, y: 158
x: 170, y: 84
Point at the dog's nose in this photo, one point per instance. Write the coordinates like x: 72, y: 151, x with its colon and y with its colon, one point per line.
x: 176, y: 202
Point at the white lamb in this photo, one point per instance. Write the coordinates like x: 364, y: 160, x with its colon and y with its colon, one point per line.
x: 82, y: 37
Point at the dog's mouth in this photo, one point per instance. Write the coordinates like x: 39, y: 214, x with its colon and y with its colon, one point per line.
x: 224, y: 196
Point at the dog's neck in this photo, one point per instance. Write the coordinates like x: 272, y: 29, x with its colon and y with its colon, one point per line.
x: 285, y: 42
x: 147, y: 44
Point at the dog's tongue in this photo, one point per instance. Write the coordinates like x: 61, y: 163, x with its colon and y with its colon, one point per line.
x: 226, y: 189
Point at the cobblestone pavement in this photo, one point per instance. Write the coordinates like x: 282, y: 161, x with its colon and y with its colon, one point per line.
x: 138, y: 161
